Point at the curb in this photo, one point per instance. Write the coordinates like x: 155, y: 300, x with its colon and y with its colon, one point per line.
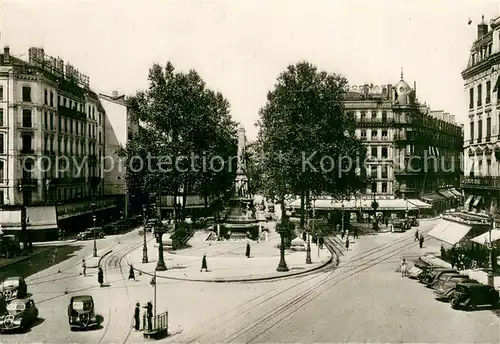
x: 100, y: 259
x: 245, y: 279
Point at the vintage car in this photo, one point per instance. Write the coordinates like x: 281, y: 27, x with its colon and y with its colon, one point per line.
x: 430, y: 272
x: 20, y: 313
x: 448, y: 276
x: 89, y: 234
x: 14, y: 288
x: 433, y: 278
x: 413, y: 221
x: 471, y: 295
x: 443, y: 291
x: 398, y: 226
x: 81, y: 312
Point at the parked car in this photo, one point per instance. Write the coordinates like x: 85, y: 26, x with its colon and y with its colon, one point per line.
x: 471, y: 295
x: 433, y: 278
x: 449, y: 276
x: 19, y: 315
x: 399, y: 226
x: 14, y: 288
x: 413, y: 221
x: 81, y: 312
x: 430, y: 272
x: 444, y: 290
x: 89, y: 234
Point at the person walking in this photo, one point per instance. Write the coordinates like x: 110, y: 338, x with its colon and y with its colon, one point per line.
x: 387, y: 222
x: 421, y: 241
x: 149, y: 316
x: 356, y: 233
x: 204, y: 263
x: 131, y: 273
x: 137, y: 315
x: 404, y: 267
x: 416, y: 236
x: 100, y: 276
x: 347, y: 243
x: 247, y: 251
x: 84, y: 268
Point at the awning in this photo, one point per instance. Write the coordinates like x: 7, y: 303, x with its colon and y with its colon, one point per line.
x: 433, y: 197
x: 449, y: 232
x: 446, y: 193
x: 476, y: 201
x: 395, y: 204
x: 455, y: 192
x: 419, y: 204
x: 327, y: 204
x: 469, y: 199
x: 484, y: 239
x: 39, y: 218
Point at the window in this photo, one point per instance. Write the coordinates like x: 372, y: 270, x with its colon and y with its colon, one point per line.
x: 384, y: 135
x: 99, y: 137
x: 45, y: 120
x: 374, y: 152
x: 65, y: 102
x: 374, y: 172
x: 363, y: 134
x: 488, y: 92
x: 384, y: 116
x: 71, y: 127
x: 374, y: 134
x: 2, y: 175
x: 385, y: 152
x: 384, y: 187
x: 471, y: 98
x: 1, y: 92
x: 480, y: 167
x: 77, y: 125
x: 46, y: 143
x: 488, y: 128
x: 26, y: 118
x: 363, y: 115
x: 471, y: 132
x: 479, y: 130
x: 26, y: 94
x: 100, y: 117
x: 374, y: 115
x: 45, y: 97
x: 488, y: 167
x: 479, y: 95
x: 51, y: 121
x: 2, y: 147
x: 374, y: 187
x: 27, y: 140
x: 1, y: 117
x: 51, y: 98
x: 385, y: 172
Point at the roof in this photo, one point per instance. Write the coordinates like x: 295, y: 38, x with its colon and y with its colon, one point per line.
x: 82, y: 298
x: 21, y: 301
x: 469, y: 284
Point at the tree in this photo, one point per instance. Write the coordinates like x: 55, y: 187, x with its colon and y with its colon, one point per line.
x: 308, y: 139
x: 182, y: 126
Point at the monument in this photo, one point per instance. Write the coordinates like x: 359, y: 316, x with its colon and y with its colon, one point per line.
x: 240, y: 221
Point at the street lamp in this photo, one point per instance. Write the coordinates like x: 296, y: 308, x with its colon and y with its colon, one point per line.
x: 374, y: 206
x: 145, y: 245
x: 282, y: 230
x: 160, y: 266
x: 342, y: 216
x: 490, y: 249
x: 93, y: 229
x: 308, y: 256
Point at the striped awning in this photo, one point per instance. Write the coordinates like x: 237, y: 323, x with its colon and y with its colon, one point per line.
x: 455, y: 192
x: 433, y: 197
x: 476, y: 201
x: 469, y: 199
x: 419, y: 204
x: 447, y: 193
x: 449, y: 232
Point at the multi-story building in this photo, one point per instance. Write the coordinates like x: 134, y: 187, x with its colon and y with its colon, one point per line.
x: 481, y: 183
x: 413, y: 153
x: 51, y: 144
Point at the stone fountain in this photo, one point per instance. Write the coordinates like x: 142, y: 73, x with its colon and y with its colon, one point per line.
x: 240, y: 221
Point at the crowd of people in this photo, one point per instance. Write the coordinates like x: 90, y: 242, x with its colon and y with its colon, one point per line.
x: 465, y: 258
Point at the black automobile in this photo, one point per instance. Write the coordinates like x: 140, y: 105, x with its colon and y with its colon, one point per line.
x: 413, y: 221
x: 81, y: 314
x: 443, y: 290
x: 430, y: 272
x: 20, y: 314
x: 90, y: 233
x: 14, y: 288
x: 470, y: 295
x: 431, y: 278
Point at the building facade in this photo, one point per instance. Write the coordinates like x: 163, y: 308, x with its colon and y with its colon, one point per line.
x: 413, y: 152
x: 52, y: 143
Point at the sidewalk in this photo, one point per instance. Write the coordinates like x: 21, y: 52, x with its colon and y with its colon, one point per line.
x: 94, y: 262
x: 227, y: 262
x: 54, y: 243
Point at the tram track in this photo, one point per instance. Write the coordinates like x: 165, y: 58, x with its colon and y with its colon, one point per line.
x: 288, y: 306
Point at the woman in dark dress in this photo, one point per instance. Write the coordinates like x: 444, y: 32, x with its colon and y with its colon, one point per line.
x: 100, y: 276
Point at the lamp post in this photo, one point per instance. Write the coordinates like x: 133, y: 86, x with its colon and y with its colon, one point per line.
x: 308, y: 255
x: 145, y: 246
x: 160, y: 266
x: 491, y: 280
x: 282, y: 230
x: 342, y: 224
x: 374, y: 206
x: 93, y: 229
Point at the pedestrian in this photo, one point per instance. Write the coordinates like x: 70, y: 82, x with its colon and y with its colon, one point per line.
x: 100, y: 276
x: 404, y: 266
x: 84, y: 268
x: 421, y: 241
x: 416, y: 236
x: 304, y: 236
x: 131, y: 274
x: 387, y: 222
x: 247, y: 252
x: 137, y: 315
x: 356, y: 233
x: 149, y: 315
x: 204, y: 263
x: 347, y: 234
x: 347, y: 243
x: 342, y: 234
x: 321, y: 242
x: 443, y: 253
x: 338, y: 228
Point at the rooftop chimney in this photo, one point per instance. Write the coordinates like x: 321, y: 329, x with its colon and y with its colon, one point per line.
x: 482, y: 29
x: 114, y: 94
x: 6, y: 54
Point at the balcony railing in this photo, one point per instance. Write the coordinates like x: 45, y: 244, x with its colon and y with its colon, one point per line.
x: 27, y: 151
x: 64, y: 111
x: 482, y: 181
x: 375, y: 120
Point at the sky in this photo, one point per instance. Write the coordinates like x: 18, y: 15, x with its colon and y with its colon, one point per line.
x: 240, y: 47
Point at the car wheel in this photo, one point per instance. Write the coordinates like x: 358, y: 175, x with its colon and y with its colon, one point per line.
x: 454, y: 303
x: 470, y: 305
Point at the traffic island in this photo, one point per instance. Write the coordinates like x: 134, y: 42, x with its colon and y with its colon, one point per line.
x: 94, y: 262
